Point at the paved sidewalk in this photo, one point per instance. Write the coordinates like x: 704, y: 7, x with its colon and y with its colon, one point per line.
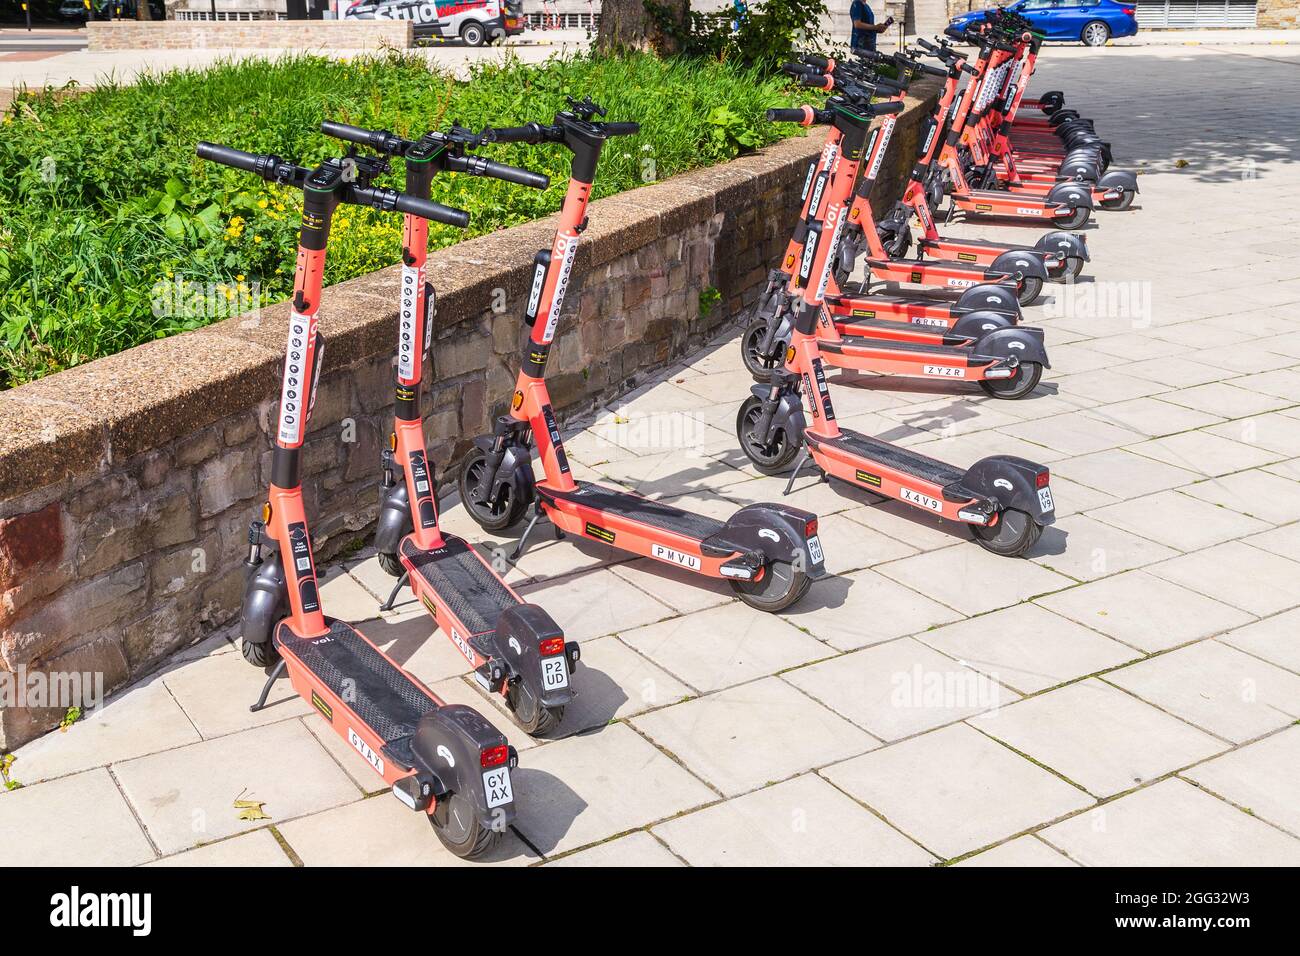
x: 1128, y: 695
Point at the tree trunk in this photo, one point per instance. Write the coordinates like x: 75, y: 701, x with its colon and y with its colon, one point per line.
x: 627, y: 25
x: 142, y: 11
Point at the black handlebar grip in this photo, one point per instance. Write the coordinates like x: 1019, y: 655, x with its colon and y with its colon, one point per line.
x: 353, y: 134
x: 226, y: 156
x: 925, y: 44
x: 890, y: 106
x: 815, y: 61
x: 528, y: 133
x: 817, y: 81
x: 433, y: 211
x: 787, y: 115
x: 932, y: 70
x: 514, y: 174
x: 621, y: 129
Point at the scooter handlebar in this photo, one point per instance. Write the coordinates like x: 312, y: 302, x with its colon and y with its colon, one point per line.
x: 433, y: 211
x: 380, y: 139
x: 237, y: 158
x: 816, y: 81
x: 889, y: 106
x: 803, y: 115
x: 478, y: 166
x: 528, y: 133
x: 621, y: 129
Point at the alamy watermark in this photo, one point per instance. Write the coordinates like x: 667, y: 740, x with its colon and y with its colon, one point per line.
x: 180, y: 298
x: 61, y: 689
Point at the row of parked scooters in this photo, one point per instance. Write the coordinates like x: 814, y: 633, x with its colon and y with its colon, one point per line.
x: 447, y: 760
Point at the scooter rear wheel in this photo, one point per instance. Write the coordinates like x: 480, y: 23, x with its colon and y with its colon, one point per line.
x: 490, y: 516
x: 1030, y: 288
x: 1013, y: 535
x: 1074, y: 266
x: 768, y: 459
x: 1119, y: 205
x: 457, y: 826
x: 535, y: 721
x: 751, y: 341
x: 780, y: 587
x: 1078, y: 218
x: 1019, y: 385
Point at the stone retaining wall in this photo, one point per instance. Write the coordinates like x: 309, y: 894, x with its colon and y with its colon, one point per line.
x: 106, y: 35
x: 127, y: 484
x: 1278, y: 14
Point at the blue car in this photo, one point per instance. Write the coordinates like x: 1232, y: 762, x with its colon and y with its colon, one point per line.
x: 1090, y: 22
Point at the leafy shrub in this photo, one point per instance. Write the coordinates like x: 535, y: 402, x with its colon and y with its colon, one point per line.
x: 763, y: 37
x: 103, y: 204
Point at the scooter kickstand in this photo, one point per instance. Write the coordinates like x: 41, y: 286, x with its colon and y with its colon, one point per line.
x: 276, y: 674
x: 798, y: 465
x: 523, y: 538
x: 401, y: 583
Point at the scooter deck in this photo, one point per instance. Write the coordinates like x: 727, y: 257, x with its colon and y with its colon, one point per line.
x: 382, y: 696
x: 625, y: 504
x: 856, y: 345
x: 892, y: 331
x: 975, y: 243
x: 463, y: 580
x: 895, y: 456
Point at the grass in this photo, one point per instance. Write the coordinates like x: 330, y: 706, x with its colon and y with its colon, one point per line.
x: 113, y: 233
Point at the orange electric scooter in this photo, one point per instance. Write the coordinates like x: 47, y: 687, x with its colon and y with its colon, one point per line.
x: 769, y: 553
x: 1005, y: 501
x: 441, y: 759
x: 515, y: 648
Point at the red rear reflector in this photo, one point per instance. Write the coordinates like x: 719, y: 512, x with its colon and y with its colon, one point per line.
x: 1129, y: 11
x: 552, y: 645
x: 1041, y: 479
x: 810, y: 529
x: 494, y: 756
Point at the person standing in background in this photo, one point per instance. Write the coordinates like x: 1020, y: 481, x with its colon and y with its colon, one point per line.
x: 865, y: 28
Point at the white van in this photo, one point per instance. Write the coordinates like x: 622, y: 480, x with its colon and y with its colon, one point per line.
x: 474, y: 21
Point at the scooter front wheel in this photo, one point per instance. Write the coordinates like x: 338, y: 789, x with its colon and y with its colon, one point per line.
x: 1019, y: 385
x: 490, y: 515
x: 780, y: 587
x: 757, y: 363
x: 768, y: 458
x: 261, y: 654
x: 457, y: 826
x: 391, y: 564
x: 1013, y: 535
x: 1030, y: 288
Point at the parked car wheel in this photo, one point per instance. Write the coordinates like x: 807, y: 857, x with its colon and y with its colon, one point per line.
x: 1095, y: 33
x: 473, y: 34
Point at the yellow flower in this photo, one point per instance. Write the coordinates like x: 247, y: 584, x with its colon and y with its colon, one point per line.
x: 257, y: 238
x: 239, y: 278
x: 262, y: 204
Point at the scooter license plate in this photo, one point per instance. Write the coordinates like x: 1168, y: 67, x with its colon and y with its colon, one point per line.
x: 496, y: 785
x: 815, y: 549
x: 555, y: 673
x: 1045, y: 499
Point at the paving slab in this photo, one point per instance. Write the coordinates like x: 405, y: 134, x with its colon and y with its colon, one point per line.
x: 1217, y: 688
x: 1118, y: 471
x: 1074, y: 433
x: 185, y: 797
x: 1263, y: 777
x: 850, y: 546
x: 1153, y: 417
x: 954, y: 790
x: 1284, y: 541
x: 634, y: 850
x: 863, y: 608
x: 1239, y: 575
x: 801, y: 822
x: 1178, y: 520
x: 1204, y: 453
x: 973, y: 580
x: 1125, y: 607
x: 1022, y: 851
x: 1274, y: 639
x: 679, y: 589
x: 586, y: 789
x: 1171, y: 824
x: 215, y: 694
x: 1260, y: 494
x: 1028, y: 648
x: 595, y: 603
x: 1087, y: 549
x: 259, y: 848
x: 76, y: 821
x: 899, y: 688
x: 142, y: 719
x: 382, y: 831
x: 1101, y: 738
x: 752, y: 735
x: 724, y: 646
